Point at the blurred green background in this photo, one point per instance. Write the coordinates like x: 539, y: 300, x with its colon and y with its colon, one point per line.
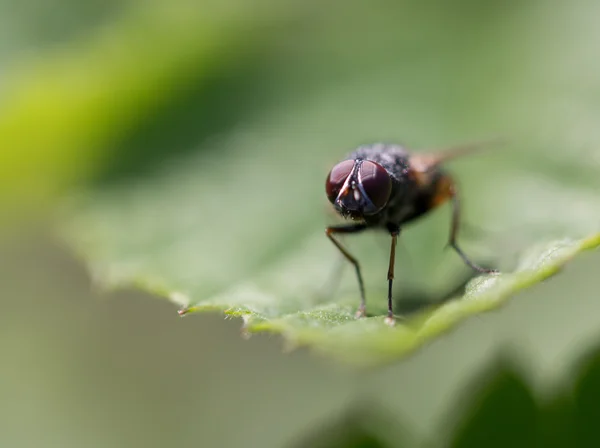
x: 95, y: 96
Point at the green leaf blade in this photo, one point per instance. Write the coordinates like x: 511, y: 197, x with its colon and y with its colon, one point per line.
x: 281, y: 300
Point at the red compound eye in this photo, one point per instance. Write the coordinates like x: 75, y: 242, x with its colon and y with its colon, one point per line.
x: 376, y: 183
x: 336, y: 178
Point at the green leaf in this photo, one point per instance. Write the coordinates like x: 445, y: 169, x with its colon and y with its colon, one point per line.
x: 224, y: 251
x: 587, y: 388
x: 85, y: 97
x: 503, y: 413
x: 556, y: 422
x: 363, y: 425
x: 237, y: 225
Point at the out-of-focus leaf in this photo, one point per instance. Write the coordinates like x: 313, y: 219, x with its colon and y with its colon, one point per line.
x: 63, y: 108
x: 556, y: 425
x: 364, y: 425
x: 587, y: 390
x: 503, y: 413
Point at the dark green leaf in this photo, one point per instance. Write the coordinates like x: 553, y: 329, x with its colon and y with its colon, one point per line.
x: 364, y: 426
x: 587, y: 391
x: 502, y: 413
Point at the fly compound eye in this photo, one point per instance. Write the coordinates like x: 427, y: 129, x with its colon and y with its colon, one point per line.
x: 377, y: 185
x: 336, y: 178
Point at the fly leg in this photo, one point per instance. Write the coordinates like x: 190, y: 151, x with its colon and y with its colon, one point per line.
x: 394, y: 232
x: 451, y: 192
x: 353, y: 228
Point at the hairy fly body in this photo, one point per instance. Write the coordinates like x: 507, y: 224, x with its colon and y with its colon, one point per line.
x: 385, y: 186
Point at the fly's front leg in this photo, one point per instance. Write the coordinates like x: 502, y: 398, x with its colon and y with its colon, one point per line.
x: 394, y: 232
x: 353, y: 228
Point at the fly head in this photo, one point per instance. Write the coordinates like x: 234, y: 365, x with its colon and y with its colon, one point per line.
x: 358, y: 188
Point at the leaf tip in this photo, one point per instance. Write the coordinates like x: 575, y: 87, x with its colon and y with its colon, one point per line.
x: 183, y: 311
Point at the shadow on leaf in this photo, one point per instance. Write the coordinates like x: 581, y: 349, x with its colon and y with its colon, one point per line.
x: 409, y: 302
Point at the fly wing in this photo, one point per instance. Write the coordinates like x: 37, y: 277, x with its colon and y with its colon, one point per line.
x: 428, y: 161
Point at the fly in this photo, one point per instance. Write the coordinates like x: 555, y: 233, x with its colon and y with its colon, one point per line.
x: 386, y: 186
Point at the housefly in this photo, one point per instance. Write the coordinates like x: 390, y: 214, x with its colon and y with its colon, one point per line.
x: 384, y: 186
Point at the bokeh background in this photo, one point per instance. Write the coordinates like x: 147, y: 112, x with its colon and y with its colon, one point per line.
x: 97, y: 95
